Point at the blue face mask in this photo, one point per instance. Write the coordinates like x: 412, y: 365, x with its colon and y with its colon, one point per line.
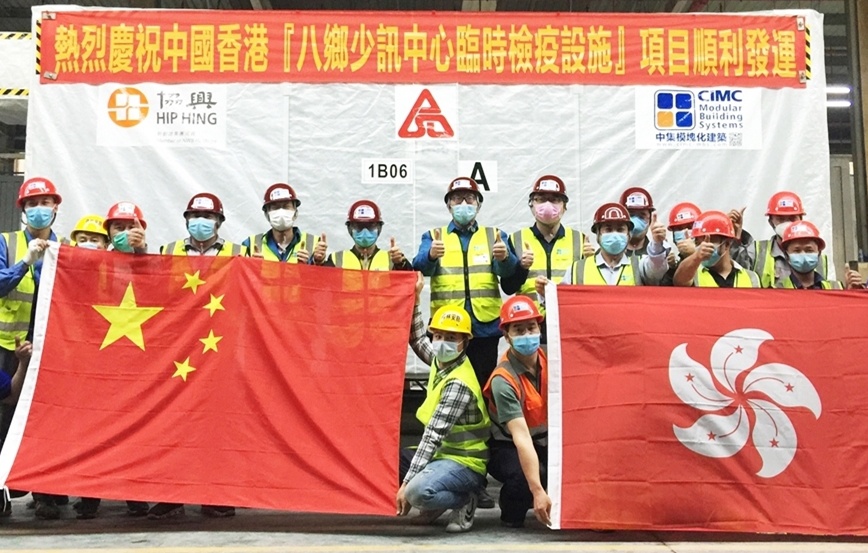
x: 639, y: 226
x: 365, y: 238
x: 712, y: 261
x: 121, y: 242
x: 680, y: 235
x: 526, y: 344
x: 464, y: 214
x: 88, y: 245
x: 804, y: 262
x: 39, y: 217
x: 445, y: 351
x: 613, y: 243
x: 201, y: 229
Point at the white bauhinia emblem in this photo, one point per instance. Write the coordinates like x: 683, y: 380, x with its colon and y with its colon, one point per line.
x: 741, y: 407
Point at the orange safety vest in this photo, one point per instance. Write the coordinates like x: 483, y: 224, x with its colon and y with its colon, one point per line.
x: 534, y: 403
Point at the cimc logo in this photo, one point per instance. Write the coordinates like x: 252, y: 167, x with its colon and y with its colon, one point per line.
x: 674, y: 110
x: 127, y: 107
x: 720, y: 95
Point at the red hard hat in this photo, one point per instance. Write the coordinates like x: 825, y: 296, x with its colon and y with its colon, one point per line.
x: 683, y: 214
x: 124, y: 211
x: 462, y: 184
x: 205, y: 202
x: 364, y: 211
x: 518, y: 308
x: 785, y: 203
x: 280, y: 192
x: 611, y: 213
x: 715, y: 223
x: 549, y: 184
x: 37, y: 186
x: 802, y: 229
x: 636, y: 199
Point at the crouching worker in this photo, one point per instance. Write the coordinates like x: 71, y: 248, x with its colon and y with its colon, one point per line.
x: 517, y: 401
x: 448, y: 468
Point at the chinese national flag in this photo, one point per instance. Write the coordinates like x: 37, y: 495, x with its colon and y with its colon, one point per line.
x: 709, y: 409
x: 226, y: 381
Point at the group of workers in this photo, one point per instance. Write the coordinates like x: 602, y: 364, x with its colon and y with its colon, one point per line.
x: 483, y: 413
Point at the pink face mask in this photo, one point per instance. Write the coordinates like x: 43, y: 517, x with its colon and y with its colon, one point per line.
x: 547, y: 213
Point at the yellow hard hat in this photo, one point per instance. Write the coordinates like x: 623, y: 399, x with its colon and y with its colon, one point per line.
x: 451, y: 318
x: 89, y: 223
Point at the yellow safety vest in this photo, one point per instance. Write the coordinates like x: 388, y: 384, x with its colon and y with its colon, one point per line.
x: 744, y: 278
x: 306, y: 242
x: 565, y: 251
x: 585, y: 271
x: 765, y: 264
x: 17, y: 306
x: 465, y: 444
x: 346, y: 259
x: 178, y: 248
x: 825, y: 284
x: 470, y: 274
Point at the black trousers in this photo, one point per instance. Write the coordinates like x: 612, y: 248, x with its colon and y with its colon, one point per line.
x: 482, y: 353
x: 515, y: 496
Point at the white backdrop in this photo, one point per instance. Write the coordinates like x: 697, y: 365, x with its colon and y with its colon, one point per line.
x: 316, y: 136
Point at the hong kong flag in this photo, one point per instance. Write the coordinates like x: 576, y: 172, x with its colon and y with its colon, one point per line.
x: 227, y: 381
x: 708, y: 409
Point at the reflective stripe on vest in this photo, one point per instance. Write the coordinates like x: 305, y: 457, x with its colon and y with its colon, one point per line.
x: 825, y: 284
x: 178, y: 247
x: 465, y: 444
x: 565, y: 251
x: 306, y: 243
x: 17, y: 306
x: 585, y: 271
x: 764, y: 265
x: 744, y: 278
x: 534, y: 403
x: 346, y: 259
x: 461, y: 275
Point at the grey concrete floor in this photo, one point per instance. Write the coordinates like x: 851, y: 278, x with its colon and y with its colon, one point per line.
x: 260, y: 531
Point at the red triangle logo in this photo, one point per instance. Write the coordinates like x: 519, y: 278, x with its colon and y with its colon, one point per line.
x: 424, y: 118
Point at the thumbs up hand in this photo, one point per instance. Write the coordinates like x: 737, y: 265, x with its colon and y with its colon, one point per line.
x: 438, y: 248
x: 498, y: 250
x: 302, y: 254
x: 587, y: 249
x: 319, y: 252
x: 136, y: 235
x: 255, y: 252
x: 395, y: 253
x: 658, y: 230
x: 23, y: 350
x: 526, y: 256
x: 737, y: 218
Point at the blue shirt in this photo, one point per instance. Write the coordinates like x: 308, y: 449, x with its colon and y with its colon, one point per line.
x: 505, y: 268
x: 5, y: 385
x: 10, y: 276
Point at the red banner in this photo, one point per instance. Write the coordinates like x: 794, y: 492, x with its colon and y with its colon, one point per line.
x: 707, y: 409
x: 226, y: 381
x: 183, y: 46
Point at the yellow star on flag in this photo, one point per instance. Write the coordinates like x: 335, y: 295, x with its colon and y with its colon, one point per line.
x: 126, y: 319
x: 193, y: 281
x: 210, y: 342
x: 215, y: 304
x: 183, y: 369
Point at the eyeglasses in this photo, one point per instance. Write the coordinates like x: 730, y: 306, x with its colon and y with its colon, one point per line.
x: 460, y: 198
x: 543, y: 198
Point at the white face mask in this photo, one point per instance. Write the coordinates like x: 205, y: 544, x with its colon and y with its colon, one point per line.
x: 445, y: 351
x: 281, y: 219
x: 779, y: 229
